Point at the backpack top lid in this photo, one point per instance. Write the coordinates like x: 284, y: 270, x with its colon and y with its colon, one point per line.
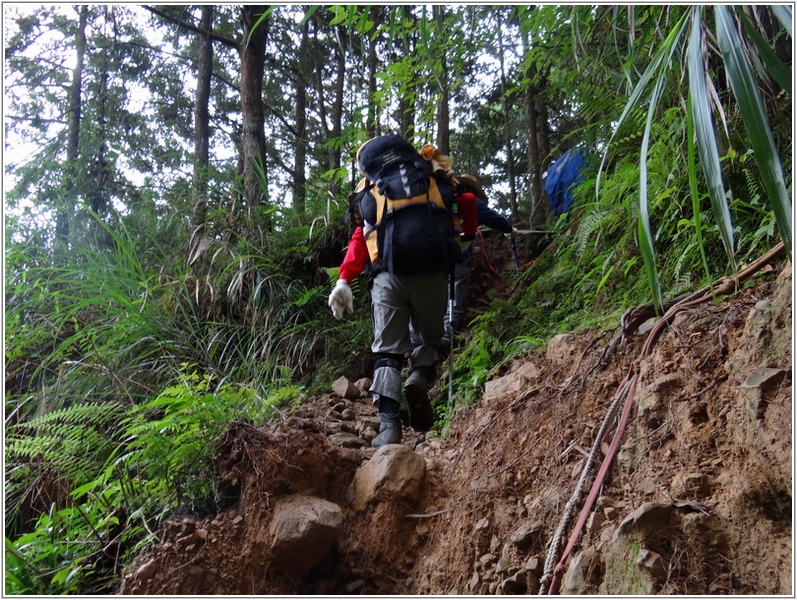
x: 380, y: 159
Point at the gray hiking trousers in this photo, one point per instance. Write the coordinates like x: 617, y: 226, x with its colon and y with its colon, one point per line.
x: 396, y: 302
x: 462, y: 272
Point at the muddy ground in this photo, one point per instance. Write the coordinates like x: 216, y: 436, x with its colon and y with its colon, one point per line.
x: 697, y: 499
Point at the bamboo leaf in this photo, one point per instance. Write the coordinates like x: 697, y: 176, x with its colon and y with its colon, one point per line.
x: 783, y: 14
x: 257, y: 23
x: 780, y: 71
x: 754, y: 115
x: 310, y: 12
x: 646, y: 238
x: 658, y: 67
x: 640, y: 89
x: 706, y: 136
x: 692, y: 169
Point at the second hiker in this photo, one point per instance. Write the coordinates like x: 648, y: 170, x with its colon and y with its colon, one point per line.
x: 406, y: 232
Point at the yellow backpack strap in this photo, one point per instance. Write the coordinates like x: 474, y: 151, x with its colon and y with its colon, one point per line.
x: 381, y: 203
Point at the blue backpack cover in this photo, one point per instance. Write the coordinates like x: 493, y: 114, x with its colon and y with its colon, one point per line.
x: 562, y: 177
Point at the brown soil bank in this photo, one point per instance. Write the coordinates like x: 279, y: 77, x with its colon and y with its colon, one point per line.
x: 697, y: 499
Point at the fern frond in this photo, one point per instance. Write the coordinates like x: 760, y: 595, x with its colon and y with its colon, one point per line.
x: 92, y: 413
x: 753, y: 183
x: 72, y: 441
x: 595, y: 100
x: 587, y: 226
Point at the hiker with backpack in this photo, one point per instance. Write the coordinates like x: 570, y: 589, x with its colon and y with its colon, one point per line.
x: 406, y: 220
x: 485, y: 216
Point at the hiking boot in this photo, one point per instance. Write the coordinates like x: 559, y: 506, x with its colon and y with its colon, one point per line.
x: 389, y: 431
x: 417, y: 395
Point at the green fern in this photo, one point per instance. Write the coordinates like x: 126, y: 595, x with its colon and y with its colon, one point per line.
x: 753, y: 182
x: 127, y: 469
x: 595, y: 100
x: 71, y: 443
x: 589, y: 223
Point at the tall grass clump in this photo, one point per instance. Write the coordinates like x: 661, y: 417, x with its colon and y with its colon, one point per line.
x: 124, y: 367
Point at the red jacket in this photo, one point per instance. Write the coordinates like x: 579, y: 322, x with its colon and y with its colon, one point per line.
x: 357, y: 252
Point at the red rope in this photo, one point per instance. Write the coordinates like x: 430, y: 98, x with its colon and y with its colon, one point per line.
x: 723, y: 286
x: 553, y: 588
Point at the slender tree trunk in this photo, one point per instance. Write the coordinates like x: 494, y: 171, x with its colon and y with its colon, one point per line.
x: 539, y: 208
x: 330, y: 120
x: 253, y: 59
x: 407, y: 101
x: 97, y: 195
x: 337, y: 105
x: 539, y: 148
x: 372, y: 124
x: 73, y: 132
x: 543, y: 150
x: 202, y: 126
x: 510, y: 162
x: 300, y: 151
x: 443, y: 115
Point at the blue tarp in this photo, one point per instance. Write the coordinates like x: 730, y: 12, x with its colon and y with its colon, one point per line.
x: 562, y: 176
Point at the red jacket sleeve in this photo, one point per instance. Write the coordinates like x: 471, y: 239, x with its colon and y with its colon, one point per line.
x: 466, y: 202
x: 356, y: 256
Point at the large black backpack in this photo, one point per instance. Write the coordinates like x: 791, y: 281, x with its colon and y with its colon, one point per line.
x: 411, y: 225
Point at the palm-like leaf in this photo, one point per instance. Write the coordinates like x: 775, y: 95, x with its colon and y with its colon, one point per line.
x: 692, y: 169
x: 656, y: 73
x: 751, y: 106
x: 705, y: 133
x: 780, y: 71
x: 738, y: 56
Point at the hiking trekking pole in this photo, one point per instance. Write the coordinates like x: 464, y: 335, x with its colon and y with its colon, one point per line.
x: 451, y: 302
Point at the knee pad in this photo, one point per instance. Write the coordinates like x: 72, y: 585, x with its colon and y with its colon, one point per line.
x: 384, y: 359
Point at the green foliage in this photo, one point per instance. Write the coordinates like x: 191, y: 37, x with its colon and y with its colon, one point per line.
x: 72, y: 442
x: 737, y: 54
x: 48, y: 560
x: 171, y: 440
x: 127, y: 469
x: 88, y: 344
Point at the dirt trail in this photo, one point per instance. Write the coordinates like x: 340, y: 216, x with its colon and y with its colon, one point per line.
x: 697, y: 500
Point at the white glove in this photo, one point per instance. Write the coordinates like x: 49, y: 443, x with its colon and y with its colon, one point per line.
x: 341, y: 299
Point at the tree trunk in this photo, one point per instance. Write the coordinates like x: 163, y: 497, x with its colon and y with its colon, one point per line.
x: 97, y: 198
x: 202, y: 125
x: 253, y: 142
x: 372, y: 123
x: 300, y: 150
x: 330, y: 121
x: 73, y: 133
x: 443, y: 116
x: 543, y: 151
x: 337, y: 105
x: 539, y: 208
x: 510, y: 162
x: 407, y: 99
x: 538, y: 110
